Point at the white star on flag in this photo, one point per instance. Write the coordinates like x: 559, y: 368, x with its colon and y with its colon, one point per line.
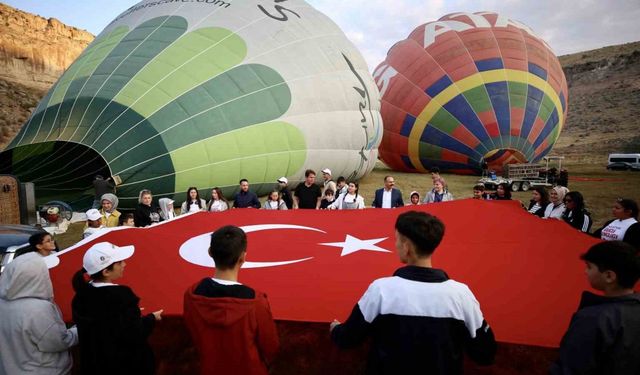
x: 352, y: 244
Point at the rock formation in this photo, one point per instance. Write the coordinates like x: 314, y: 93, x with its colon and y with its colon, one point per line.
x: 35, y: 51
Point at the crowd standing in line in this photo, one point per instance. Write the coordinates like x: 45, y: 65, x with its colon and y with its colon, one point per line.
x: 112, y: 332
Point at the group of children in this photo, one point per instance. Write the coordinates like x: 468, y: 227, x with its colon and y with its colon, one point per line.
x: 419, y: 319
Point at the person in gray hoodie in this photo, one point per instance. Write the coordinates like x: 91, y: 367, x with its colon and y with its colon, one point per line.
x: 33, y: 336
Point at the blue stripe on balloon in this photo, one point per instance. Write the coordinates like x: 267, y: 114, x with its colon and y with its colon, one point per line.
x: 438, y: 86
x: 436, y: 137
x: 552, y: 122
x: 534, y: 100
x: 499, y: 96
x: 407, y: 125
x: 407, y: 161
x: 537, y: 70
x: 445, y: 165
x: 489, y: 64
x: 459, y: 108
x: 563, y: 102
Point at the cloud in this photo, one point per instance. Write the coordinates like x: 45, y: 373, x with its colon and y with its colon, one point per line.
x: 567, y: 26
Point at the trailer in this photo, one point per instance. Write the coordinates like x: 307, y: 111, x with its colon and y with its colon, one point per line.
x: 525, y: 176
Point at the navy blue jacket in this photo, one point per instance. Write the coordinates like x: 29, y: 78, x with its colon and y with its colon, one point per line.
x: 603, y: 337
x: 245, y: 200
x: 421, y: 322
x: 396, y: 198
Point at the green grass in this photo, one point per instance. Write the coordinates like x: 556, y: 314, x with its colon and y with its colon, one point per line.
x: 599, y: 195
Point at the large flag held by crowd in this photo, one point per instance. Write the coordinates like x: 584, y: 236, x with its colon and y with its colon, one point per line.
x: 315, y: 265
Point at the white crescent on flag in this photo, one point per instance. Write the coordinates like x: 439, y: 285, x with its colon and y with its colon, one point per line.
x: 196, y: 249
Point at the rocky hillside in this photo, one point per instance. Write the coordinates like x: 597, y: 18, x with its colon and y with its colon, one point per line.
x: 34, y: 52
x: 604, y: 85
x: 604, y: 103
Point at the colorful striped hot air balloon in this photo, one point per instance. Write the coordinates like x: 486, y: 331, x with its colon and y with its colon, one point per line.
x: 177, y: 94
x: 469, y: 89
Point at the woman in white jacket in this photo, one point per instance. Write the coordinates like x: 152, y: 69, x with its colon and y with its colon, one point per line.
x: 193, y: 203
x: 349, y: 201
x: 33, y: 336
x: 557, y: 207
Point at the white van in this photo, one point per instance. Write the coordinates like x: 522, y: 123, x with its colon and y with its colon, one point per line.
x: 624, y: 161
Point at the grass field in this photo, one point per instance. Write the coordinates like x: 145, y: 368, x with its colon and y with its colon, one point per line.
x: 599, y: 187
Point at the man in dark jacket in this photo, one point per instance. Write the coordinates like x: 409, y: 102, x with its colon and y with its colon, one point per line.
x: 388, y: 196
x: 421, y: 321
x: 604, y: 334
x: 245, y: 198
x: 231, y: 324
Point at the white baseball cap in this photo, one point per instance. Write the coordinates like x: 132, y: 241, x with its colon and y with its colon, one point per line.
x: 104, y: 254
x: 283, y: 180
x: 327, y: 171
x: 93, y: 214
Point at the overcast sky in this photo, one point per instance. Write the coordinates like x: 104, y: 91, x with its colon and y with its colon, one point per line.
x: 568, y: 26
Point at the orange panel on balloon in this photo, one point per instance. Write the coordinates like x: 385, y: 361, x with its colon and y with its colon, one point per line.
x: 463, y: 135
x: 517, y: 115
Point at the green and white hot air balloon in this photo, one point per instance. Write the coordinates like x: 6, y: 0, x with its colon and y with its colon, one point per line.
x: 177, y: 94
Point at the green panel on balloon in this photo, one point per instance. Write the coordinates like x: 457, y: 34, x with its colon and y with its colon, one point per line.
x: 88, y: 62
x: 444, y: 121
x: 478, y: 99
x: 517, y: 94
x: 192, y: 60
x: 133, y: 53
x: 262, y: 152
x: 243, y: 96
x: 27, y: 152
x: 429, y: 151
x: 546, y: 108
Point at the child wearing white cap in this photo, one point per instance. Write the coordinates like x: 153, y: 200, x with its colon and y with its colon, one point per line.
x: 94, y: 223
x: 113, y: 333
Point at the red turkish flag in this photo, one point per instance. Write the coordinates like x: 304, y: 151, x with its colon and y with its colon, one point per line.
x: 315, y: 265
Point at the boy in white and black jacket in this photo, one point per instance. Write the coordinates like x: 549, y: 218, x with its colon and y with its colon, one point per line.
x: 420, y: 320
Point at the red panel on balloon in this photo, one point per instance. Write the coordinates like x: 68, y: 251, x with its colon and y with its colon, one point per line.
x: 462, y: 134
x: 517, y: 116
x: 453, y: 156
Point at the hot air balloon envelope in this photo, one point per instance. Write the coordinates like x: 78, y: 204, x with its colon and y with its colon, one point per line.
x: 178, y: 94
x: 469, y: 89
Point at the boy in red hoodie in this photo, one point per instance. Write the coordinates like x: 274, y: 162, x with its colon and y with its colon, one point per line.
x: 231, y: 324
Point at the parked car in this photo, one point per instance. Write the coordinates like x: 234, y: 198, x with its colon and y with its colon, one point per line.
x: 12, y: 239
x: 625, y: 162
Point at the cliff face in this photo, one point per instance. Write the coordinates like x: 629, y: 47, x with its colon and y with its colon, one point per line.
x: 34, y: 51
x: 604, y: 103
